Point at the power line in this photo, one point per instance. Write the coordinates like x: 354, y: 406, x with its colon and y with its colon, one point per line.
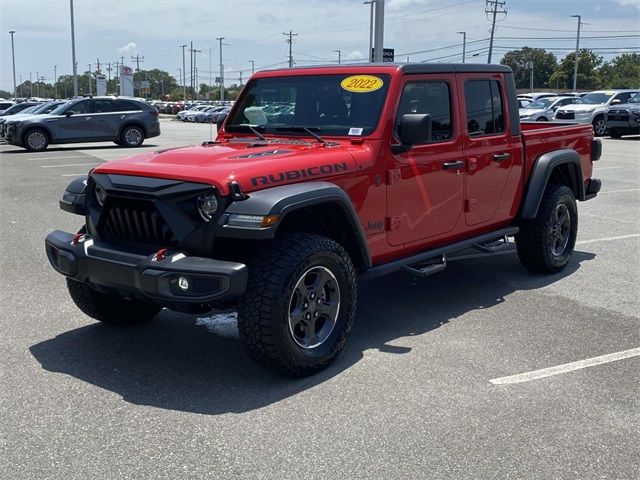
x: 289, y: 40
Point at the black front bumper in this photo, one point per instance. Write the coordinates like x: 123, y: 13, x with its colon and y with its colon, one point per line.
x: 211, y: 282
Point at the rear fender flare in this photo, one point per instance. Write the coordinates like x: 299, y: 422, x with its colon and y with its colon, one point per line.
x: 285, y: 199
x: 541, y: 173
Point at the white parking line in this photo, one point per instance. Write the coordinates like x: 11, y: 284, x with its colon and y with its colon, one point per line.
x: 70, y: 165
x: 77, y: 157
x: 565, y: 367
x: 607, y: 239
x: 599, y: 169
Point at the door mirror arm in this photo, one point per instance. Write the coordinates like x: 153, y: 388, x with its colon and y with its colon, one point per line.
x: 68, y: 113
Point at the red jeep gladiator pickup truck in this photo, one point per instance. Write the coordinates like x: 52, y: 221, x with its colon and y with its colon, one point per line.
x: 318, y: 176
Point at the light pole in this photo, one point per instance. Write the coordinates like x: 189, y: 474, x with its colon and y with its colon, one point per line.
x: 253, y: 66
x: 73, y: 53
x: 575, y: 67
x: 378, y: 43
x: 339, y: 55
x: 13, y: 58
x: 220, y: 39
x: 184, y: 75
x: 38, y: 84
x: 371, y: 3
x: 464, y: 45
x: 55, y: 80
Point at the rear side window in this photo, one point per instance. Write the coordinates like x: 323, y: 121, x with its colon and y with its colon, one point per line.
x: 127, y: 106
x: 103, y: 106
x: 484, y: 107
x: 429, y: 97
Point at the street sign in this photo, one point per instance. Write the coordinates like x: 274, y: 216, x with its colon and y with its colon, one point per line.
x: 388, y: 54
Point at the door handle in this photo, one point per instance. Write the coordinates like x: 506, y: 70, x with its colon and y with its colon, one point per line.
x: 88, y: 118
x: 122, y: 117
x: 453, y: 165
x: 501, y: 157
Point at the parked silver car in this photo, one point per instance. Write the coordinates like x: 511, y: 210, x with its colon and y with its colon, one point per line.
x: 542, y: 110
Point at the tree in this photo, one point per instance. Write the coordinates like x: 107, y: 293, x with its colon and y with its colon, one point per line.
x: 621, y: 72
x: 588, y: 74
x: 4, y: 94
x: 544, y: 64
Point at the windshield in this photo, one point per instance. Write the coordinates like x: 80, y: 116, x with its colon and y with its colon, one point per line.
x: 60, y: 109
x: 596, y: 97
x: 542, y: 104
x: 30, y: 109
x: 328, y: 104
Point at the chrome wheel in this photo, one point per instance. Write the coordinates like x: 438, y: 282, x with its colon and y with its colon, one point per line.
x: 560, y: 230
x: 314, y: 307
x: 36, y: 140
x: 133, y: 136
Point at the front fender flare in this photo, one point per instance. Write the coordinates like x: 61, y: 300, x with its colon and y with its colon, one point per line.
x: 284, y: 199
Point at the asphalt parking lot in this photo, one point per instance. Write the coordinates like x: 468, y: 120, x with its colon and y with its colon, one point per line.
x: 412, y: 396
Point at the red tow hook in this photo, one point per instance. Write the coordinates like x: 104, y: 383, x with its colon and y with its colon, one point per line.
x: 77, y: 238
x: 160, y: 255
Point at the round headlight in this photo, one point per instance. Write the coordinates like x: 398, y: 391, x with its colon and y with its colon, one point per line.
x: 207, y: 206
x: 101, y: 194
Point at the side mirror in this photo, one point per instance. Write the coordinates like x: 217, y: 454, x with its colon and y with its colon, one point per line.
x: 220, y: 120
x: 616, y: 101
x: 414, y: 128
x: 68, y: 113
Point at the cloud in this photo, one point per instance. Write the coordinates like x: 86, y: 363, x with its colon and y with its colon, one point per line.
x: 128, y: 48
x: 355, y: 55
x: 629, y: 3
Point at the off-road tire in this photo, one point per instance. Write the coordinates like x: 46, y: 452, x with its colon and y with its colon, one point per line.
x: 131, y: 136
x: 264, y: 311
x: 31, y: 145
x: 110, y: 309
x: 536, y: 242
x: 599, y: 126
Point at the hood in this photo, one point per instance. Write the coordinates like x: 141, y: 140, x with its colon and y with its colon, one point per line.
x: 531, y: 111
x: 253, y: 167
x: 582, y: 107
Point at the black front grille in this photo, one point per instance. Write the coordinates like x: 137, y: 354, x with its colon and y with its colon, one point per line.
x: 135, y: 221
x: 565, y: 116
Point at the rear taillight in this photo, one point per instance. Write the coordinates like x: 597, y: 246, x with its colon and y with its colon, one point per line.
x: 155, y: 113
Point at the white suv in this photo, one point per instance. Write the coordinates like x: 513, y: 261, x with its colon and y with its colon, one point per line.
x: 593, y: 107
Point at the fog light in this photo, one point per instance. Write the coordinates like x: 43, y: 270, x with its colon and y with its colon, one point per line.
x: 183, y: 283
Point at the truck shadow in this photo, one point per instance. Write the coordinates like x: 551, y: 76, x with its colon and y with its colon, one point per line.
x: 170, y: 363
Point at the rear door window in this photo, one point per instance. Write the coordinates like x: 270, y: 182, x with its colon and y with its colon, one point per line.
x: 483, y: 101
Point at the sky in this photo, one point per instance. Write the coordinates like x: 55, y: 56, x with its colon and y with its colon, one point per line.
x: 423, y: 30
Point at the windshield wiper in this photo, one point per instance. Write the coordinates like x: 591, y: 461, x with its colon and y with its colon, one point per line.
x: 253, y: 130
x: 300, y: 128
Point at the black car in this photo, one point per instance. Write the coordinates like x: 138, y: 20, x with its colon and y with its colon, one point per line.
x: 125, y: 121
x: 624, y: 119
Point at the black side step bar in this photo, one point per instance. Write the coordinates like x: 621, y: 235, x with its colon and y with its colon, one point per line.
x: 491, y: 242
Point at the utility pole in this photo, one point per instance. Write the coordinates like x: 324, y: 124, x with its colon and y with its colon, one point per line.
x: 21, y: 86
x: 530, y: 65
x: 195, y: 71
x: 191, y: 66
x: 42, y: 79
x: 137, y: 59
x: 464, y: 45
x: 98, y: 65
x: 492, y: 9
x: 240, y: 78
x: 220, y: 39
x: 90, y: 92
x: 378, y: 42
x: 289, y: 40
x: 55, y: 82
x: 13, y: 58
x: 109, y: 71
x: 253, y: 66
x: 30, y: 86
x: 339, y: 55
x: 183, y: 75
x: 575, y: 67
x: 372, y: 4
x: 38, y: 84
x: 73, y: 53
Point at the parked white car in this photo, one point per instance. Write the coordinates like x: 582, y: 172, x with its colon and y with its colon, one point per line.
x: 542, y: 110
x: 593, y: 107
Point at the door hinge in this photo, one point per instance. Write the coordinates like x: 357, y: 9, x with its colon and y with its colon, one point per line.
x: 394, y: 176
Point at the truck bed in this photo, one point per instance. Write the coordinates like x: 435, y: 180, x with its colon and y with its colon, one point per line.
x: 542, y: 137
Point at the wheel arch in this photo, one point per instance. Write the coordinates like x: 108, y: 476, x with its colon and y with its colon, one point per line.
x: 562, y: 167
x: 36, y: 126
x: 132, y: 124
x: 312, y: 207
